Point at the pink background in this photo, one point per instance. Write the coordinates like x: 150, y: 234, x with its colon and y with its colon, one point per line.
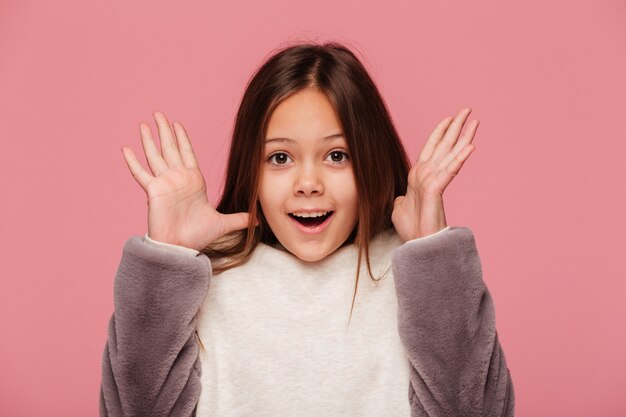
x: 543, y: 192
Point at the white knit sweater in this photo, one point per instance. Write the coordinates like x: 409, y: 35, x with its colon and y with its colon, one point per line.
x: 276, y: 340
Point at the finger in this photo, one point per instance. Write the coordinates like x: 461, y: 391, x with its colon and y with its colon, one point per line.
x: 434, y: 139
x: 452, y: 134
x: 184, y: 146
x: 237, y: 221
x: 453, y: 168
x: 466, y: 139
x: 153, y: 156
x: 169, y: 148
x: 141, y: 175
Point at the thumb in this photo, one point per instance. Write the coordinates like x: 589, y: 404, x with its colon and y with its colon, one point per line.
x: 236, y: 221
x: 398, y: 200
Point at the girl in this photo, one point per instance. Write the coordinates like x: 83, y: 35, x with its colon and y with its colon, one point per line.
x: 240, y: 310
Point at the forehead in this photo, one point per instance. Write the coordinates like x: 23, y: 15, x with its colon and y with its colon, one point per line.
x: 305, y: 114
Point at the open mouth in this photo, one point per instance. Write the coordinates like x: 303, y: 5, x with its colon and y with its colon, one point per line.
x: 311, y: 221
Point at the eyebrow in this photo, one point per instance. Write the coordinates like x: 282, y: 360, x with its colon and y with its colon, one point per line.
x: 333, y: 136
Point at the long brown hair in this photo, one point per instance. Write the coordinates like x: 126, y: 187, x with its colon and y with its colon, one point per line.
x: 378, y: 158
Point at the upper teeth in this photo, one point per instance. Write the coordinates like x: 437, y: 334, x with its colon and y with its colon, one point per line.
x: 315, y: 214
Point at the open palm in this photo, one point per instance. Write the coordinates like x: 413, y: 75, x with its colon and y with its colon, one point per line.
x: 178, y: 208
x: 420, y: 211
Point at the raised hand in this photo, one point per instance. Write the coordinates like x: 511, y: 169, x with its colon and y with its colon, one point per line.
x: 178, y: 208
x: 420, y: 212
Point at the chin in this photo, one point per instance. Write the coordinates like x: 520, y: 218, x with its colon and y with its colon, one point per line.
x: 309, y: 258
x: 309, y: 254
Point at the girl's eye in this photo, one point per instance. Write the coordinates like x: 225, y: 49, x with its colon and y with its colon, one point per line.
x: 338, y: 156
x: 279, y: 158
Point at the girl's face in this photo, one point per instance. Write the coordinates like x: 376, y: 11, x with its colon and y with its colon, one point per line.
x: 307, y: 188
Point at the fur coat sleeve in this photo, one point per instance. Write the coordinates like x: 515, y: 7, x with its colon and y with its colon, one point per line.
x: 446, y: 322
x: 150, y: 365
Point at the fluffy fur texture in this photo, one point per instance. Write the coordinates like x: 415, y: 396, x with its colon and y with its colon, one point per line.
x: 446, y: 322
x: 150, y: 362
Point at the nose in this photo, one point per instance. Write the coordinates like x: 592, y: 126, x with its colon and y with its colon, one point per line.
x: 308, y: 182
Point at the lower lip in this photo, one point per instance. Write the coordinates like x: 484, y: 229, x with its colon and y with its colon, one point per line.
x: 313, y: 230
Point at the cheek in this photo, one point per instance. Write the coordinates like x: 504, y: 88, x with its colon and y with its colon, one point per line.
x: 351, y: 195
x: 271, y: 194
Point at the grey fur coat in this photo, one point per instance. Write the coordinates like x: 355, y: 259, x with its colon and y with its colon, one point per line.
x: 446, y: 322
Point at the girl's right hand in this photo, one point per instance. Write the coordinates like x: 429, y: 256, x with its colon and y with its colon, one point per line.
x: 179, y: 212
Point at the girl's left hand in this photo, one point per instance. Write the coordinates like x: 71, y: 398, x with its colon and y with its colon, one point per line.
x: 420, y: 212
